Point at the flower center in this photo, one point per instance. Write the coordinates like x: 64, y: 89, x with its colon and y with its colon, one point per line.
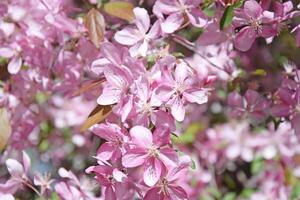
x: 256, y: 25
x: 146, y: 107
x: 153, y: 151
x: 164, y: 186
x: 297, y: 108
x: 183, y: 8
x: 179, y: 88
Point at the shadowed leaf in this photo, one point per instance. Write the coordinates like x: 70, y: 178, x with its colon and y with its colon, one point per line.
x: 95, y: 24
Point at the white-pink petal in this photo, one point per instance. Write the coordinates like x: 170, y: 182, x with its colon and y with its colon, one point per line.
x: 133, y: 159
x: 142, y: 19
x: 252, y: 9
x: 141, y: 136
x: 196, y: 96
x: 128, y: 36
x: 172, y: 23
x: 177, y: 109
x: 14, y: 65
x: 14, y: 168
x: 109, y: 96
x: 152, y: 173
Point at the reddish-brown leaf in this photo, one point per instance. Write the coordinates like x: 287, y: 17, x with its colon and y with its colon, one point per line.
x: 5, y: 128
x: 95, y: 24
x: 88, y: 86
x: 97, y: 115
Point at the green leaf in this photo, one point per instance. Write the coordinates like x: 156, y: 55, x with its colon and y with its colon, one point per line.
x: 238, y: 4
x: 193, y: 166
x: 227, y: 17
x: 259, y: 72
x: 54, y: 196
x: 189, y: 135
x: 213, y: 191
x: 257, y: 165
x: 41, y: 97
x: 151, y: 60
x: 3, y: 61
x: 295, y: 194
x: 247, y: 192
x: 178, y: 54
x: 229, y: 196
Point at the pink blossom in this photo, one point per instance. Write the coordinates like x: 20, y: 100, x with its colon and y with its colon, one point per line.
x: 255, y: 22
x: 146, y: 107
x: 13, y: 54
x: 168, y: 186
x: 149, y: 152
x: 139, y: 37
x: 176, y: 11
x: 72, y: 188
x: 252, y: 104
x: 19, y: 175
x: 178, y: 88
x: 113, y: 148
x: 114, y: 181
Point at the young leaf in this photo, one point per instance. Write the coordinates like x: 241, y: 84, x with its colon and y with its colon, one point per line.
x: 120, y: 9
x: 227, y: 17
x: 5, y: 128
x: 295, y: 194
x: 259, y: 72
x: 95, y: 24
x: 230, y: 196
x: 257, y: 165
x: 97, y: 115
x: 189, y: 135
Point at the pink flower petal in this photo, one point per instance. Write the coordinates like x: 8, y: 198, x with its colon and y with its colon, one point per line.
x: 134, y: 158
x: 109, y: 96
x: 172, y: 23
x: 14, y: 168
x: 126, y: 108
x: 111, y: 53
x: 235, y: 99
x: 14, y: 65
x: 153, y: 170
x: 177, y: 193
x: 197, y: 18
x: 155, y: 30
x: 141, y: 136
x: 252, y: 9
x: 181, y: 72
x: 118, y: 175
x: 153, y: 194
x: 196, y: 96
x: 177, y: 109
x: 163, y: 93
x: 105, y: 151
x: 110, y: 194
x: 245, y: 38
x: 26, y: 162
x: 142, y: 19
x: 128, y: 36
